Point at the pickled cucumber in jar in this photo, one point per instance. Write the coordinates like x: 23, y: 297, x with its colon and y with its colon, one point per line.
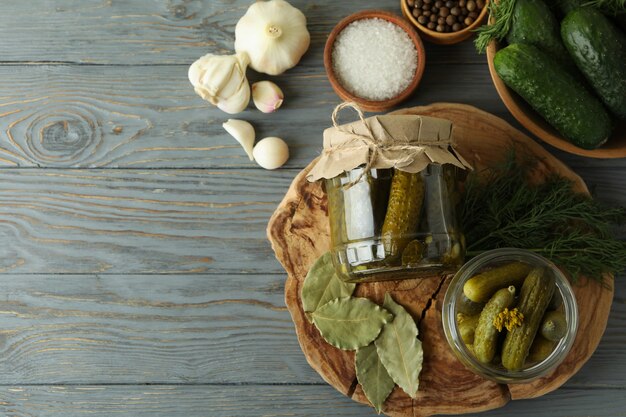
x: 392, y: 220
x: 403, y: 212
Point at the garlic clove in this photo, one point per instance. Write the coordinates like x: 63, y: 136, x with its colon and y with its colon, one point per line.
x: 237, y: 102
x: 233, y: 74
x: 243, y: 132
x: 274, y: 35
x: 196, y: 70
x: 221, y: 80
x: 267, y: 96
x: 271, y: 153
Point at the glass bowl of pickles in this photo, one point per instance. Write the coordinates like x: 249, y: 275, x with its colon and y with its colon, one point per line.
x: 510, y: 315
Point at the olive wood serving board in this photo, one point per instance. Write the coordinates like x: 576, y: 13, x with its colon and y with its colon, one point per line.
x: 299, y: 234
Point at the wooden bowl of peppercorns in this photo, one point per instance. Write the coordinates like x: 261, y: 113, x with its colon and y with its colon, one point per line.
x: 445, y: 22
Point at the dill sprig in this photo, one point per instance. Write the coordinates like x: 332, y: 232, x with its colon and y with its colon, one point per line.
x: 502, y: 208
x: 500, y: 14
x: 612, y: 6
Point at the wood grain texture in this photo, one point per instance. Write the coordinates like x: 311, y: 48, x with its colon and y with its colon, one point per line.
x: 204, y: 329
x: 102, y: 116
x: 118, y: 221
x: 159, y: 32
x: 147, y: 329
x: 255, y: 401
x: 299, y: 232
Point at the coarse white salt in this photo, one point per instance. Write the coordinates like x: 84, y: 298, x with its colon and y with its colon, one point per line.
x: 374, y: 59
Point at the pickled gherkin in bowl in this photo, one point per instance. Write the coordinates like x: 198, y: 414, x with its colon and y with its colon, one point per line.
x: 510, y: 315
x: 391, y: 224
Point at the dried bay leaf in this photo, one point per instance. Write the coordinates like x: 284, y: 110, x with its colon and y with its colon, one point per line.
x: 350, y: 323
x: 373, y: 377
x: 322, y: 284
x: 399, y: 349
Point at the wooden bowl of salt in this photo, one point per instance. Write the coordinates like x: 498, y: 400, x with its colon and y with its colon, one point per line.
x: 375, y: 59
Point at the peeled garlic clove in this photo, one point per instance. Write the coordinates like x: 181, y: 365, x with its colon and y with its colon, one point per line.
x: 271, y: 153
x: 274, y: 35
x: 243, y: 132
x: 267, y: 96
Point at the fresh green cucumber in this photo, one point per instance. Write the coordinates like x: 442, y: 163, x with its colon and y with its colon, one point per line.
x: 599, y: 51
x: 533, y: 23
x: 557, y: 96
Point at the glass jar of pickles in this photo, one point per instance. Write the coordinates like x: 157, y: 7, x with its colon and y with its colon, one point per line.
x: 392, y: 221
x: 391, y: 183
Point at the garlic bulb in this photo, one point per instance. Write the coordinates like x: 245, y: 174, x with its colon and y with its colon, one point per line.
x: 274, y: 34
x: 271, y: 153
x: 267, y: 96
x: 243, y: 132
x: 221, y: 80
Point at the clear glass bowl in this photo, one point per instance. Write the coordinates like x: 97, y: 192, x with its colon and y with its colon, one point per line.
x: 497, y: 372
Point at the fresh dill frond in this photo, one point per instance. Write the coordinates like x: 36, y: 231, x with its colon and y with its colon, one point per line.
x: 502, y: 208
x: 499, y: 24
x: 612, y: 6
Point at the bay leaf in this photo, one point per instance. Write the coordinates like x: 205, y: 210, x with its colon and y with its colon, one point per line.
x: 349, y: 322
x: 322, y: 284
x: 399, y: 348
x: 373, y: 377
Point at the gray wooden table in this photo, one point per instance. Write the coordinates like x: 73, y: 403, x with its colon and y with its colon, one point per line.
x: 135, y: 276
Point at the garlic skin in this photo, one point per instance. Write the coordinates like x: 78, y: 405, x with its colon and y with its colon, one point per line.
x: 221, y: 80
x: 243, y: 132
x: 267, y: 96
x: 271, y: 153
x: 274, y: 35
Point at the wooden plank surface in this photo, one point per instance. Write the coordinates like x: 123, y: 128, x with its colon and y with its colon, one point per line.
x: 170, y: 329
x: 138, y: 221
x: 125, y: 329
x: 159, y: 32
x: 154, y: 268
x: 258, y: 401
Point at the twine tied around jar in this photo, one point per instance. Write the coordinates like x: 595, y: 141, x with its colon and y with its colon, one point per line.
x: 372, y: 142
x: 404, y: 142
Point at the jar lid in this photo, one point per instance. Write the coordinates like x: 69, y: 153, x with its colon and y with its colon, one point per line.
x: 405, y: 142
